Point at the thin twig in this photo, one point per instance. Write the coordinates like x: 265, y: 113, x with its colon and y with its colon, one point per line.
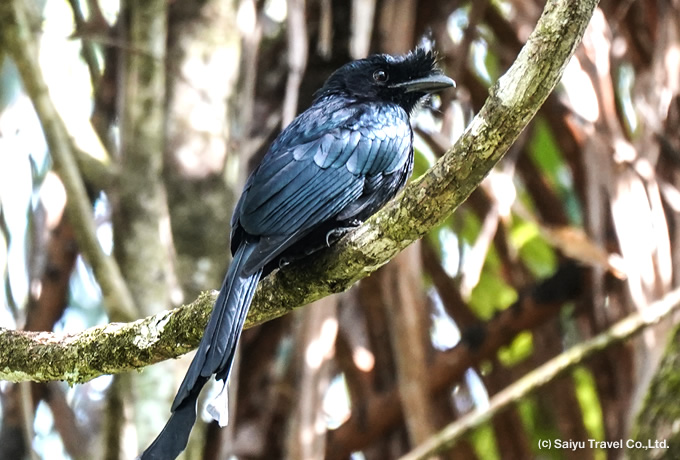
x: 297, y: 58
x: 88, y: 52
x: 546, y: 373
x: 19, y: 41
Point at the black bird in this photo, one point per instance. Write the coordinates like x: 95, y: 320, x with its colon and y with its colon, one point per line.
x: 335, y: 165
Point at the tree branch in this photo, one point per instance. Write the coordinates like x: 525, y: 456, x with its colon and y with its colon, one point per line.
x: 16, y: 35
x: 547, y: 373
x: 425, y: 202
x: 109, y: 349
x: 378, y: 414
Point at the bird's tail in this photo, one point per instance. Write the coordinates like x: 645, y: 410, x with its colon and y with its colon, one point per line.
x: 215, y: 355
x: 173, y: 439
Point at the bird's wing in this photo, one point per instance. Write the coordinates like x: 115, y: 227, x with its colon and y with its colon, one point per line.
x: 303, y: 185
x: 289, y: 199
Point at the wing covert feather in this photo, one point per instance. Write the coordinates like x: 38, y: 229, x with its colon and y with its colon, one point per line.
x: 310, y: 177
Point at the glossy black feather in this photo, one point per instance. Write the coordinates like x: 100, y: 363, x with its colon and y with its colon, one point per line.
x: 301, y: 184
x: 335, y: 164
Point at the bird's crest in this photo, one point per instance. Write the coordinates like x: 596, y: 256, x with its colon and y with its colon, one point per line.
x: 385, y: 78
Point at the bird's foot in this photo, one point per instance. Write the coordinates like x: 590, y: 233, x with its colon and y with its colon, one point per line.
x: 334, y: 235
x: 331, y: 237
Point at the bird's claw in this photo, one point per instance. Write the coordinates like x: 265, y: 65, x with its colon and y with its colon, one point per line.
x: 334, y: 235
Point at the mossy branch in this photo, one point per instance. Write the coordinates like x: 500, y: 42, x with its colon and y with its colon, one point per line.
x: 424, y: 203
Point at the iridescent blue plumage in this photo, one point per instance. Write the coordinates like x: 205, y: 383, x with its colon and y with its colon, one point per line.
x: 335, y: 165
x: 310, y: 176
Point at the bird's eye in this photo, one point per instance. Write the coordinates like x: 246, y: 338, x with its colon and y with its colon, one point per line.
x: 380, y: 76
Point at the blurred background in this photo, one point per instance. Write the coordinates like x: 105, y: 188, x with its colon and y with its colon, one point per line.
x: 167, y: 105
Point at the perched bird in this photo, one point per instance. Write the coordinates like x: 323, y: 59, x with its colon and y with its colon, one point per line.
x: 335, y: 165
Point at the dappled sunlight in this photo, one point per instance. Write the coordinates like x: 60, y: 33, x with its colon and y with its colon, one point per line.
x: 246, y: 17
x: 53, y: 198
x: 501, y: 188
x: 68, y: 80
x: 634, y: 227
x: 322, y: 347
x: 579, y: 90
x: 364, y: 360
x: 336, y: 404
x: 199, y: 97
x: 21, y: 147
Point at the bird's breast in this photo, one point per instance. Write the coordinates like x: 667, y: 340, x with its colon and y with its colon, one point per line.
x: 384, y: 141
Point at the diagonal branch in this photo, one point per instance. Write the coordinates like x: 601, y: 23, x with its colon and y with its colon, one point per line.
x: 545, y: 374
x: 425, y: 202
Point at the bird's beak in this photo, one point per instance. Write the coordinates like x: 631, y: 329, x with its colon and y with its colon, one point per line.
x: 429, y: 84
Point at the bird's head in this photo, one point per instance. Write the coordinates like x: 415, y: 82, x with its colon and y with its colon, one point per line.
x: 404, y: 80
